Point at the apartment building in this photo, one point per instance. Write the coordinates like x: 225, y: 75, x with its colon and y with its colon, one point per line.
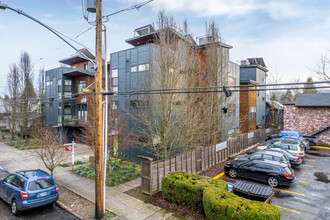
x: 62, y: 110
x: 130, y: 68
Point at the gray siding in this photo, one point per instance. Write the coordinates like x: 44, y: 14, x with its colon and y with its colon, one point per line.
x: 247, y: 74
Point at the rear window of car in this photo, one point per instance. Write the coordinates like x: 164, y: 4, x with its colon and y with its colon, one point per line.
x: 293, y: 148
x: 287, y: 170
x: 41, y: 184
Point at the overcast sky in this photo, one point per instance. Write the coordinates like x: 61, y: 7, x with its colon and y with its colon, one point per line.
x: 290, y: 35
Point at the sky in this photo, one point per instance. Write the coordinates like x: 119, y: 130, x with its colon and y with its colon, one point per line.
x: 291, y: 35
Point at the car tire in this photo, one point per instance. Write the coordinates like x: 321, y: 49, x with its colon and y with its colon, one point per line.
x: 273, y: 181
x: 232, y: 173
x: 14, y: 210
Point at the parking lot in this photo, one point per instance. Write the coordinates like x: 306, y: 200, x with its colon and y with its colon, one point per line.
x: 307, y: 198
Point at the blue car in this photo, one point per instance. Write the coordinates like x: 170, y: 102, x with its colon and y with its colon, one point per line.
x: 28, y: 189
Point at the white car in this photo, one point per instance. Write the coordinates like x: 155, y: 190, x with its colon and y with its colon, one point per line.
x: 294, y: 149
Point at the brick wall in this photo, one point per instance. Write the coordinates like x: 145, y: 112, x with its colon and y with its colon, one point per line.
x: 307, y: 120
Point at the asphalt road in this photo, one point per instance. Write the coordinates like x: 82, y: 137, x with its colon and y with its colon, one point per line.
x: 51, y: 213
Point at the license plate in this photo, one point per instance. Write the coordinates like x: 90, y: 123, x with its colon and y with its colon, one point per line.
x: 43, y: 194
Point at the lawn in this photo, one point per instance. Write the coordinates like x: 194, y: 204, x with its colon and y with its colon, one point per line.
x: 122, y: 171
x: 22, y: 144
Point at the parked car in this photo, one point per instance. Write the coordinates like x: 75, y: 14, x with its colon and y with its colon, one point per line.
x: 264, y: 145
x: 312, y: 140
x: 265, y: 155
x: 28, y: 189
x: 272, y: 172
x: 295, y: 149
x: 272, y: 136
x: 294, y: 160
x: 295, y: 140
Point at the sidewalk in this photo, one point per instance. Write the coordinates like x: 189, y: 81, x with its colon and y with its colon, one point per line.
x: 121, y: 204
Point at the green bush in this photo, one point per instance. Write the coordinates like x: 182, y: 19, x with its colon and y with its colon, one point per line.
x: 220, y: 204
x: 187, y: 189
x: 321, y: 143
x: 78, y: 162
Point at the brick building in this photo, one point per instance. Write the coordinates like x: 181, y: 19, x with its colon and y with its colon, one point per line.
x: 309, y: 114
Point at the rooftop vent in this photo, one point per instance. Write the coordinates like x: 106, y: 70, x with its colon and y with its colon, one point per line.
x: 205, y: 40
x: 144, y: 30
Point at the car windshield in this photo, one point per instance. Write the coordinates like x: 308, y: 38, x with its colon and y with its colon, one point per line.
x: 40, y: 184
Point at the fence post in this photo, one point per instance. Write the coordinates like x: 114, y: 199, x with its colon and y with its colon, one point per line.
x: 146, y: 175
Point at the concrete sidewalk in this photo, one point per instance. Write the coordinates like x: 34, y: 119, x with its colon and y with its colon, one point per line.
x: 121, y: 204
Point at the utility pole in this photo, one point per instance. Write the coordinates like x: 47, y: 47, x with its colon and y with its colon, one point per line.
x: 99, y: 209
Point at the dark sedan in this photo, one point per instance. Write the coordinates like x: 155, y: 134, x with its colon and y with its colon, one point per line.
x: 272, y: 172
x: 294, y: 160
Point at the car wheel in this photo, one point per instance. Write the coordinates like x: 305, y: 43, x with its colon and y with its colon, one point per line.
x: 232, y: 173
x: 14, y: 210
x: 272, y: 181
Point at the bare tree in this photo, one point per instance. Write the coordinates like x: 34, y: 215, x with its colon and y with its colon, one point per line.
x: 41, y: 98
x: 11, y: 101
x: 323, y: 68
x: 48, y: 148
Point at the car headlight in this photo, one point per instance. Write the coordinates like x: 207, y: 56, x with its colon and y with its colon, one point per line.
x: 236, y: 158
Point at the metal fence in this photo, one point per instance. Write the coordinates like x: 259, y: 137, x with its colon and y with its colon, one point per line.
x: 197, y: 160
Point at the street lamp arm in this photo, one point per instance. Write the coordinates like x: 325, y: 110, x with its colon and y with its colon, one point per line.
x: 4, y: 6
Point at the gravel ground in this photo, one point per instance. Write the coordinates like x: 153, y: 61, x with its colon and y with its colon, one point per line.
x: 83, y: 207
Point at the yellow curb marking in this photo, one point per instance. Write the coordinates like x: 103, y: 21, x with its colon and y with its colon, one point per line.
x: 287, y: 209
x: 218, y: 176
x: 289, y: 191
x: 313, y: 151
x: 309, y: 160
x: 303, y: 182
x: 321, y: 147
x: 306, y: 165
x: 230, y: 179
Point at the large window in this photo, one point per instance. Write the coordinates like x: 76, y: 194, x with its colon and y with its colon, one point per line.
x: 59, y: 88
x: 67, y: 88
x: 114, y: 114
x: 81, y: 85
x: 82, y: 112
x: 114, y: 81
x: 67, y: 112
x: 59, y: 112
x: 253, y: 113
x: 144, y: 67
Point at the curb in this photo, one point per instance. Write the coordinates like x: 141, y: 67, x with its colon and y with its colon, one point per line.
x: 68, y: 209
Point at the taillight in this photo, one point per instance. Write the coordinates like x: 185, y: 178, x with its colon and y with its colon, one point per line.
x: 41, y: 178
x: 301, y: 153
x: 24, y: 195
x: 56, y: 188
x: 287, y: 175
x: 296, y: 159
x: 315, y: 141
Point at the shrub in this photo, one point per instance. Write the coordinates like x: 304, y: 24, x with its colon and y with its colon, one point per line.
x: 78, y: 162
x: 220, y: 204
x: 187, y: 189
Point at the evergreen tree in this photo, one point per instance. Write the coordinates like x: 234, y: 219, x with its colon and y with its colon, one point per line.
x: 311, y: 86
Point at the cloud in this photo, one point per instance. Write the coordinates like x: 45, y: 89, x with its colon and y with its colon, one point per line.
x: 206, y: 8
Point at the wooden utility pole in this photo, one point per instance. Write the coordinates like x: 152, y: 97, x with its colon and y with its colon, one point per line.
x: 99, y: 209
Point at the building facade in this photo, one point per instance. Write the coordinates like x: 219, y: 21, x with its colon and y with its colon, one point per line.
x: 253, y: 71
x: 66, y: 106
x: 309, y: 114
x: 130, y: 70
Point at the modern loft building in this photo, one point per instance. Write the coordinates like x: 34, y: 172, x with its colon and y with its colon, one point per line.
x: 63, y: 111
x: 130, y: 68
x: 253, y: 71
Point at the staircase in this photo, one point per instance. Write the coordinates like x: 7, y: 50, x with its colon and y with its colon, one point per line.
x: 320, y: 131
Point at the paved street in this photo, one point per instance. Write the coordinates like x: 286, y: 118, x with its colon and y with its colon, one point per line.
x: 119, y: 203
x: 52, y: 213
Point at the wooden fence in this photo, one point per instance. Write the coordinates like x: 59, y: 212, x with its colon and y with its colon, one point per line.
x: 197, y: 160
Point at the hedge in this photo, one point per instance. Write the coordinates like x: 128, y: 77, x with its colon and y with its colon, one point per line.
x: 220, y: 204
x: 187, y: 189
